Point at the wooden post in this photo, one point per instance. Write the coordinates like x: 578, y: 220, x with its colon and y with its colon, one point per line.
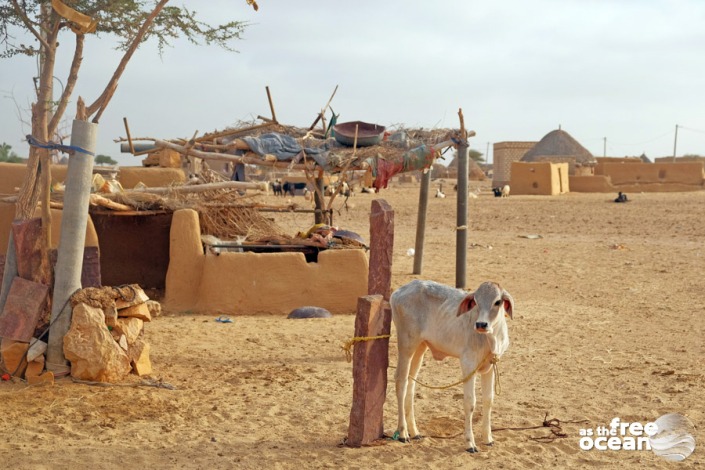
x: 69, y: 261
x: 461, y: 236
x: 129, y: 137
x: 370, y: 363
x: 381, y: 249
x: 271, y: 104
x: 321, y: 217
x: 421, y: 221
x: 374, y: 318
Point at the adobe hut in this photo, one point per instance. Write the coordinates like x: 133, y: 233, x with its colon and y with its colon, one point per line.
x: 506, y: 153
x: 539, y: 178
x: 559, y: 147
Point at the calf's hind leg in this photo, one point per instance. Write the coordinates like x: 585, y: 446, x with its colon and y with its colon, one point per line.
x: 416, y: 363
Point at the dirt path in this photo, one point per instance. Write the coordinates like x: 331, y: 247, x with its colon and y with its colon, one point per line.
x: 609, y: 323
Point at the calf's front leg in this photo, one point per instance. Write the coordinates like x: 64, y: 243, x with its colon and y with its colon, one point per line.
x: 469, y: 406
x: 487, y: 399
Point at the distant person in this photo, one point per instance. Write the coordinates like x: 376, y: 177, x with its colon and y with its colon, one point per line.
x: 621, y: 197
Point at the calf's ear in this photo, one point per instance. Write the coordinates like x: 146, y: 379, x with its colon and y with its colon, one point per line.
x: 467, y: 304
x: 508, y: 303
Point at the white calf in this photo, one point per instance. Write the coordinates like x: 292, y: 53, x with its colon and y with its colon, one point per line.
x: 450, y: 322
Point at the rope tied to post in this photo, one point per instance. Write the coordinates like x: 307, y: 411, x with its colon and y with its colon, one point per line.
x: 347, y: 346
x: 70, y: 149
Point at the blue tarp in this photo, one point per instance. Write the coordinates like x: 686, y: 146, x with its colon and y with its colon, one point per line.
x: 282, y: 146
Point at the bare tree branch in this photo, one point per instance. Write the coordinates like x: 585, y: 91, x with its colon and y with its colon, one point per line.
x: 70, y: 84
x: 25, y: 19
x: 99, y: 105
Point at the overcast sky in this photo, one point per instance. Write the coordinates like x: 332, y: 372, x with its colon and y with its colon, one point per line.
x: 625, y: 70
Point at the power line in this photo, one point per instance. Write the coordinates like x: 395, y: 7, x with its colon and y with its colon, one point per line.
x: 691, y: 129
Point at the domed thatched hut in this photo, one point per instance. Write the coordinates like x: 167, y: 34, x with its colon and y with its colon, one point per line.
x: 475, y: 173
x: 559, y: 147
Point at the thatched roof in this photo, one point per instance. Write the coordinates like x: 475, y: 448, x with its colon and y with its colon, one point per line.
x: 474, y: 171
x: 559, y: 143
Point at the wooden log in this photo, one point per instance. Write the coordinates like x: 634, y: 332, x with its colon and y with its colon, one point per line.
x: 271, y: 104
x: 98, y: 200
x: 230, y: 132
x: 201, y: 188
x: 129, y: 138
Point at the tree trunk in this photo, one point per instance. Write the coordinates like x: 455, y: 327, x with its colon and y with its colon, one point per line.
x: 71, y: 242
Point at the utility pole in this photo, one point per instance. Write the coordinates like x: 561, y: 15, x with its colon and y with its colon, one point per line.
x: 675, y: 142
x: 604, y: 146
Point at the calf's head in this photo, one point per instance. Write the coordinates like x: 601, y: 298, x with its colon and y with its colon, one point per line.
x: 490, y: 303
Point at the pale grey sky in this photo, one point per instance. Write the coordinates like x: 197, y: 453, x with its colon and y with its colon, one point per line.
x: 627, y: 70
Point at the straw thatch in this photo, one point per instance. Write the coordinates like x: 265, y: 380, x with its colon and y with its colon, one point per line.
x: 559, y: 144
x: 475, y: 173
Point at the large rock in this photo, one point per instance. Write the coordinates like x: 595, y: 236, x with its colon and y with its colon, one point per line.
x: 142, y: 365
x: 129, y: 296
x: 13, y: 356
x: 131, y: 327
x: 140, y: 311
x: 25, y: 304
x: 91, y: 349
x: 155, y: 308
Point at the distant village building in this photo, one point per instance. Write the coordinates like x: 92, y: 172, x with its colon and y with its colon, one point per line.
x: 506, y: 153
x: 560, y: 147
x: 475, y: 172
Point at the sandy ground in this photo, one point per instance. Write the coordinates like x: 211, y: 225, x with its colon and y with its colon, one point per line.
x: 609, y: 322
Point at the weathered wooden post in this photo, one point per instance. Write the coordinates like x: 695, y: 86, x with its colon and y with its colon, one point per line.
x: 69, y: 261
x: 461, y: 236
x: 320, y: 216
x: 371, y: 356
x: 421, y: 221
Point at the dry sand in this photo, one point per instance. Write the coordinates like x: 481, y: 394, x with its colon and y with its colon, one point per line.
x: 609, y: 322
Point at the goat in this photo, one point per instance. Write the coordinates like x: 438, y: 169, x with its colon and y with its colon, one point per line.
x: 276, y: 187
x: 505, y: 190
x: 440, y: 193
x: 621, y: 197
x: 450, y: 322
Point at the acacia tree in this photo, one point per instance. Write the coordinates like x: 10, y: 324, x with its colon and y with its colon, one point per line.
x: 7, y: 155
x: 104, y: 160
x: 129, y: 23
